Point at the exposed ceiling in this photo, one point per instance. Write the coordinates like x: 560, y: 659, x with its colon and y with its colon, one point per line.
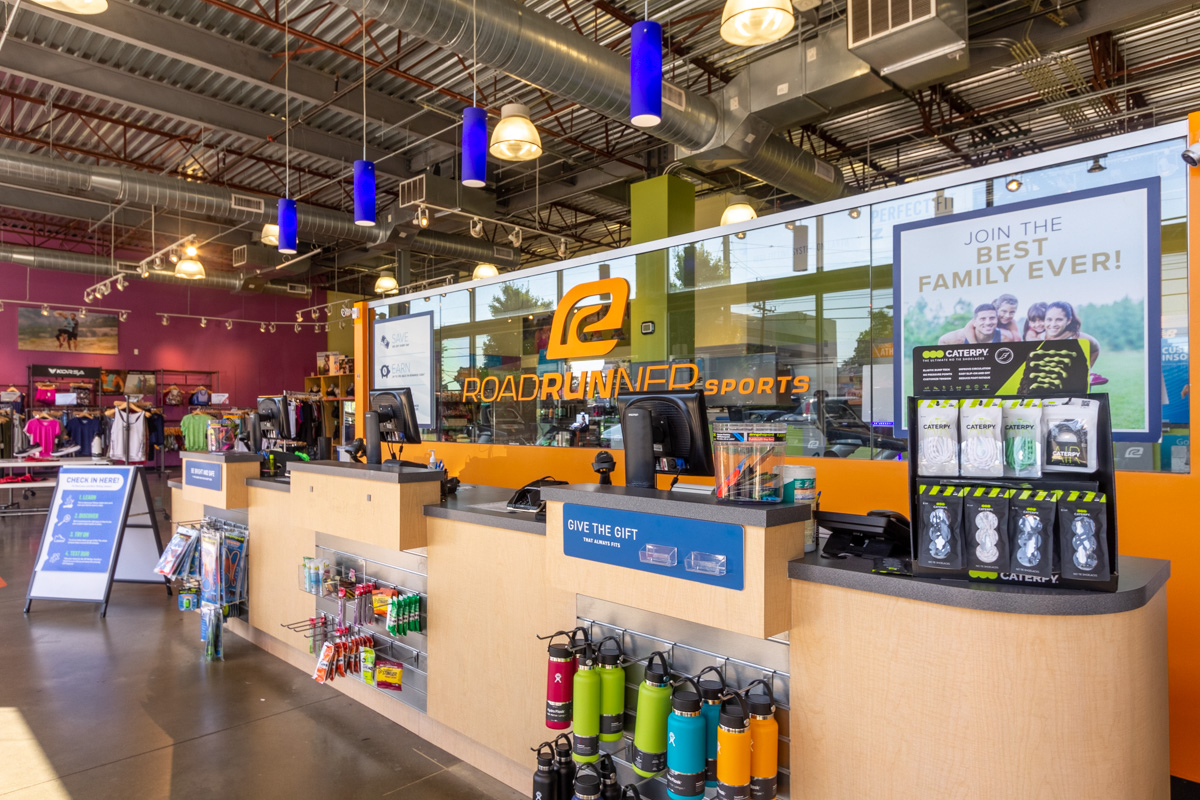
x: 196, y: 88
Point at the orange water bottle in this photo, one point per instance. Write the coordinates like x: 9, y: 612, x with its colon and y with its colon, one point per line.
x: 764, y: 743
x: 733, y: 750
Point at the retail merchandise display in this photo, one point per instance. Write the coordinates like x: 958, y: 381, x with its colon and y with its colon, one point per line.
x: 1015, y: 489
x: 798, y: 484
x: 558, y: 777
x: 560, y: 678
x: 747, y: 458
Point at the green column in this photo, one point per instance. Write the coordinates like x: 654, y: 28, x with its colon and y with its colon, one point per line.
x: 660, y: 207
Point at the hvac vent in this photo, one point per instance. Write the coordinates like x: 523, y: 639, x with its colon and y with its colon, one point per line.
x: 297, y: 288
x: 243, y: 202
x: 913, y: 42
x: 824, y: 171
x: 673, y: 96
x: 412, y: 191
x: 503, y: 253
x: 870, y: 18
x: 240, y: 255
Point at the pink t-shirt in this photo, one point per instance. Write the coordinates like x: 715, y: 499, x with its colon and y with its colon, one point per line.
x: 43, y: 432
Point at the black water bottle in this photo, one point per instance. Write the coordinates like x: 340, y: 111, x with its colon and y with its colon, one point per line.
x: 609, y: 788
x: 545, y: 780
x: 564, y: 766
x: 587, y: 782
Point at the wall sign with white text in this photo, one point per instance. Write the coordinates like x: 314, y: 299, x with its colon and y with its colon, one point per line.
x: 402, y: 357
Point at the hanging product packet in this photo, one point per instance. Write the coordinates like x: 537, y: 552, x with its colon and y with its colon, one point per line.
x: 937, y: 438
x: 985, y: 517
x: 1031, y: 516
x: 1071, y: 429
x: 940, y: 529
x: 1022, y: 438
x: 1083, y: 536
x: 388, y: 674
x: 982, y: 441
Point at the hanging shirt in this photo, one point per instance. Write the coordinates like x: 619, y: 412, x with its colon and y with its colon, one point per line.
x: 136, y: 432
x: 200, y: 397
x: 43, y: 432
x: 83, y: 432
x: 155, y: 424
x: 195, y: 432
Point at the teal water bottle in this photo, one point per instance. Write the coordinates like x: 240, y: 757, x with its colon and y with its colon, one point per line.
x: 685, y: 745
x: 711, y: 693
x: 653, y: 708
x: 612, y: 691
x: 586, y: 710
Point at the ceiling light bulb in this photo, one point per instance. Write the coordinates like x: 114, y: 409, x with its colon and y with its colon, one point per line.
x: 87, y: 296
x: 75, y: 6
x: 854, y: 213
x: 203, y: 322
x: 174, y: 256
x: 191, y: 250
x: 190, y: 269
x: 515, y: 138
x: 262, y: 327
x: 1013, y: 184
x: 738, y: 210
x: 270, y: 235
x: 82, y: 313
x: 386, y: 282
x: 166, y: 320
x: 299, y: 316
x: 485, y: 271
x: 45, y: 310
x: 143, y: 269
x: 423, y: 217
x: 121, y: 284
x: 752, y: 22
x: 327, y: 326
x: 296, y: 327
x: 228, y: 324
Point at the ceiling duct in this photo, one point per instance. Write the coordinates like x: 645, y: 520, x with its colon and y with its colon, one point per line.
x: 911, y: 42
x: 65, y: 261
x: 444, y: 245
x: 533, y: 48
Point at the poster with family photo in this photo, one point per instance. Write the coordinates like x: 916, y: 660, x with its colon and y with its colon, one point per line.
x: 1083, y: 266
x: 66, y: 331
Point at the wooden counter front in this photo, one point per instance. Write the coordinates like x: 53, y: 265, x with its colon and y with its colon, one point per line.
x: 388, y: 515
x: 235, y: 469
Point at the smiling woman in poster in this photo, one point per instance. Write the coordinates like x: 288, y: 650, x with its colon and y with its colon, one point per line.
x: 1062, y: 323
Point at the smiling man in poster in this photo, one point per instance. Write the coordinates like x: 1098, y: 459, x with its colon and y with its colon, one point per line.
x: 1083, y: 265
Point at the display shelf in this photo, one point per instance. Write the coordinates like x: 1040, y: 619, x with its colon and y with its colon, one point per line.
x: 334, y: 390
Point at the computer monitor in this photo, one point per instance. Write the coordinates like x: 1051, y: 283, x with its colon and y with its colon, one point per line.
x: 392, y: 418
x: 665, y: 432
x: 266, y: 422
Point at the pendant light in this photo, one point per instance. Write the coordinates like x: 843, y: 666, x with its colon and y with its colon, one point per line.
x: 738, y: 210
x: 484, y: 271
x: 287, y: 218
x: 364, y: 170
x: 645, y: 72
x: 474, y: 125
x: 386, y: 282
x: 750, y: 22
x: 515, y: 138
x: 270, y: 234
x: 75, y: 6
x: 189, y: 268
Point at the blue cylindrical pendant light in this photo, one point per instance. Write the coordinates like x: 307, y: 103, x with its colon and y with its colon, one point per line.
x: 645, y: 75
x: 364, y: 193
x: 288, y: 226
x: 474, y: 147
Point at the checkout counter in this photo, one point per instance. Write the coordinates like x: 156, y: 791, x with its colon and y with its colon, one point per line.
x: 885, y: 686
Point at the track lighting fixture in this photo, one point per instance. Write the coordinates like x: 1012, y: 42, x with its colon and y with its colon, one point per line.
x: 296, y: 327
x: 327, y: 327
x: 45, y: 310
x: 299, y: 316
x: 515, y: 237
x: 87, y: 296
x: 262, y: 327
x: 422, y: 217
x: 477, y: 228
x: 316, y: 312
x: 228, y: 324
x: 143, y: 269
x: 121, y: 283
x: 166, y: 320
x: 173, y: 257
x: 203, y: 322
x: 82, y: 313
x: 124, y: 315
x: 342, y: 325
x: 562, y: 248
x: 272, y: 327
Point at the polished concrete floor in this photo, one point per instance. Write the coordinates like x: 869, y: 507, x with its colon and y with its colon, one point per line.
x: 124, y: 707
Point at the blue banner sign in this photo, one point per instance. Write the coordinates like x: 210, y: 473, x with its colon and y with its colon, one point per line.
x: 202, y: 474
x: 85, y: 519
x: 693, y: 550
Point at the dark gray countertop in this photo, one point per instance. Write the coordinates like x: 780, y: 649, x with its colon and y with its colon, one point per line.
x: 270, y: 483
x: 223, y: 458
x: 174, y: 484
x: 464, y: 507
x: 687, y: 505
x: 366, y: 472
x: 1140, y: 579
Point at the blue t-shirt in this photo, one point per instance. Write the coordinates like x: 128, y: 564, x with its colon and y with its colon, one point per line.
x: 81, y: 431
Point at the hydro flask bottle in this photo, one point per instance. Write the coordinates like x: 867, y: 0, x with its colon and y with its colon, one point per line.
x: 586, y: 705
x: 653, y: 708
x: 560, y: 676
x: 587, y: 783
x: 733, y: 750
x: 631, y: 791
x: 564, y: 766
x: 685, y: 745
x: 545, y: 780
x: 612, y: 691
x: 711, y: 692
x: 764, y: 743
x: 609, y: 788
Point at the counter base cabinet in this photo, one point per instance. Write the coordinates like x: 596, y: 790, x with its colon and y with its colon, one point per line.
x: 896, y: 698
x: 184, y: 510
x: 277, y: 548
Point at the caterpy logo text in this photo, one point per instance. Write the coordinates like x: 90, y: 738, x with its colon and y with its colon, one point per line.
x: 566, y: 328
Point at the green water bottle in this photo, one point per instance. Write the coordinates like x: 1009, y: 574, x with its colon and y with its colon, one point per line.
x: 585, y: 720
x: 612, y: 691
x: 653, y: 709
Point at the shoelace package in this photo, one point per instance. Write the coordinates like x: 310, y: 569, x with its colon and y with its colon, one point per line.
x: 940, y: 540
x: 1083, y: 537
x: 937, y: 427
x: 985, y: 518
x: 1031, y: 533
x: 1071, y: 434
x: 981, y: 441
x: 1022, y: 425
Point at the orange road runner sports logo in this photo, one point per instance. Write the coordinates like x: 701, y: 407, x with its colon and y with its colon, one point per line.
x: 564, y: 336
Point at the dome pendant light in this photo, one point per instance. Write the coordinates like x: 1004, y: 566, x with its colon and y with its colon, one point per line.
x: 75, y: 6
x: 364, y: 170
x: 474, y: 128
x: 738, y: 210
x: 750, y: 22
x: 386, y: 282
x: 515, y: 138
x: 287, y: 217
x: 646, y: 74
x: 485, y: 271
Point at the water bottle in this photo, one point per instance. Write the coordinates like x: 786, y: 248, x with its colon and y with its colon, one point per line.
x: 612, y: 691
x: 685, y: 745
x: 764, y: 743
x: 609, y: 788
x: 560, y: 676
x: 653, y: 708
x: 632, y: 792
x: 564, y: 766
x: 733, y: 750
x: 586, y: 705
x: 587, y: 783
x: 545, y: 780
x: 711, y: 692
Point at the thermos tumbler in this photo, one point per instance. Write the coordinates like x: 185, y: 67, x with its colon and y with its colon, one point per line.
x: 560, y: 676
x: 764, y: 743
x: 545, y: 780
x: 653, y: 708
x: 733, y: 750
x: 586, y: 707
x: 612, y: 691
x: 711, y: 692
x: 587, y: 783
x: 564, y: 766
x: 685, y: 745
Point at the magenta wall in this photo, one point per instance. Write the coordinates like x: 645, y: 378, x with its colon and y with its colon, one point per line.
x: 250, y: 363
